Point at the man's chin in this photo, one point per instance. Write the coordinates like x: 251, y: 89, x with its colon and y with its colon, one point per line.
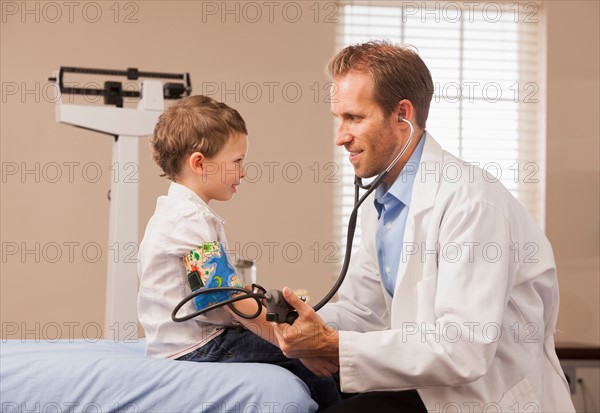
x: 364, y: 174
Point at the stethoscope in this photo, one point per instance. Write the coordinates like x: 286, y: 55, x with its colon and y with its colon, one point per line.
x: 278, y: 310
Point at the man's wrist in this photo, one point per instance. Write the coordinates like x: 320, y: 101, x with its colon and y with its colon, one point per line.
x: 331, y: 344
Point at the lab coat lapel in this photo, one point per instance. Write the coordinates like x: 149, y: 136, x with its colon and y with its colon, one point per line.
x: 428, y: 178
x: 410, y: 269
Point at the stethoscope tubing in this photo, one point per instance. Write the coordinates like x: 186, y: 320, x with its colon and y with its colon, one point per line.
x: 354, y: 214
x: 347, y: 255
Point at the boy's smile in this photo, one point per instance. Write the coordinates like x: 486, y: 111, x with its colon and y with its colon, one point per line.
x: 225, y: 170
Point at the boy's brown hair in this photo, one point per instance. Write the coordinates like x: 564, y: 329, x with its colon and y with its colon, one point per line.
x: 193, y: 124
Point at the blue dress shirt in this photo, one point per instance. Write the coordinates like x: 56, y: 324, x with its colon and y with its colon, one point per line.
x: 392, y: 204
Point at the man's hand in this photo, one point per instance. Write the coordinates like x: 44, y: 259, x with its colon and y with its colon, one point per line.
x: 321, y: 366
x: 308, y: 336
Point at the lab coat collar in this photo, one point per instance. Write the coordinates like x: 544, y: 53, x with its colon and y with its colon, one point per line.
x: 181, y: 191
x: 424, y: 192
x: 428, y: 177
x: 387, y: 196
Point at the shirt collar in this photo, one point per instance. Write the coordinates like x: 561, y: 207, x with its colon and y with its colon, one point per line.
x: 182, y: 191
x: 401, y: 190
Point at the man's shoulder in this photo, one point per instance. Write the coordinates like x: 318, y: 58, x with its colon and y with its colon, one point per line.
x: 460, y: 181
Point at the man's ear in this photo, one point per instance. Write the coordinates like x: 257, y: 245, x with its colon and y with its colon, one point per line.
x: 197, y: 163
x: 406, y: 110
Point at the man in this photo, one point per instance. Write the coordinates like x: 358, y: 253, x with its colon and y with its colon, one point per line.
x: 442, y: 296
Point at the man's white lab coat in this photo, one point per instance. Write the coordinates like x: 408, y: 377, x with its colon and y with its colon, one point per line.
x: 474, y: 310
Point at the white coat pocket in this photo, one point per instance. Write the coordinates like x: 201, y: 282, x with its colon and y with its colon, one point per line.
x: 520, y: 398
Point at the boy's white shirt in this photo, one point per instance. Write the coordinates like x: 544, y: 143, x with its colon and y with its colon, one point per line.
x: 181, y: 222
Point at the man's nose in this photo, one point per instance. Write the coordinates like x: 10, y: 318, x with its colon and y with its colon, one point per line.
x: 343, y: 136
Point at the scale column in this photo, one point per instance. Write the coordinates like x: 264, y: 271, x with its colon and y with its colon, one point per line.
x: 121, y: 321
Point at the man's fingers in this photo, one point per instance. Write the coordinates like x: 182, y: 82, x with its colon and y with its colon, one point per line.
x: 320, y: 366
x: 295, y: 301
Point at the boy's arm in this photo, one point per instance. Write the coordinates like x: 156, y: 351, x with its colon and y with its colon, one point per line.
x: 321, y: 366
x: 259, y: 325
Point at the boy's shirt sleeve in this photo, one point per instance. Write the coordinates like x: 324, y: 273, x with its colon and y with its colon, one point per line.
x: 188, y: 230
x: 207, y: 266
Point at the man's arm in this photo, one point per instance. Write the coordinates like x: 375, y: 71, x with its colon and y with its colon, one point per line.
x: 470, y: 293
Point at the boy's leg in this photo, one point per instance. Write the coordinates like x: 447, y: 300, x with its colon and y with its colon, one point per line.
x: 237, y: 345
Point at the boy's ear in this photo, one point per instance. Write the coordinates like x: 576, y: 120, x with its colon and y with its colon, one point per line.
x: 197, y: 161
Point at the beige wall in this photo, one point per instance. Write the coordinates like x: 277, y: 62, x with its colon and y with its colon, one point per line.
x: 280, y: 56
x: 572, y: 200
x: 276, y: 66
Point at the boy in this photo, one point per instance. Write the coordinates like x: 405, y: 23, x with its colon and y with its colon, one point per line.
x: 200, y: 144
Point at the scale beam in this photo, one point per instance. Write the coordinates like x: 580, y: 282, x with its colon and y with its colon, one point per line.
x: 127, y: 126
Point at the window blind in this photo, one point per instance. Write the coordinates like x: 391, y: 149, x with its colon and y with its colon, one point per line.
x: 486, y: 62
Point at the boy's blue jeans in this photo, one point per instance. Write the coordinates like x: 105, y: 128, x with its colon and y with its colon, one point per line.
x: 237, y: 345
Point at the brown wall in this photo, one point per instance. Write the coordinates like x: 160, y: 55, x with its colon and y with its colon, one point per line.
x: 277, y: 55
x: 573, y: 167
x: 270, y: 69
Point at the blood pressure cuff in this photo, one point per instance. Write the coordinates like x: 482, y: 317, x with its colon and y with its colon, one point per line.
x: 208, y: 267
